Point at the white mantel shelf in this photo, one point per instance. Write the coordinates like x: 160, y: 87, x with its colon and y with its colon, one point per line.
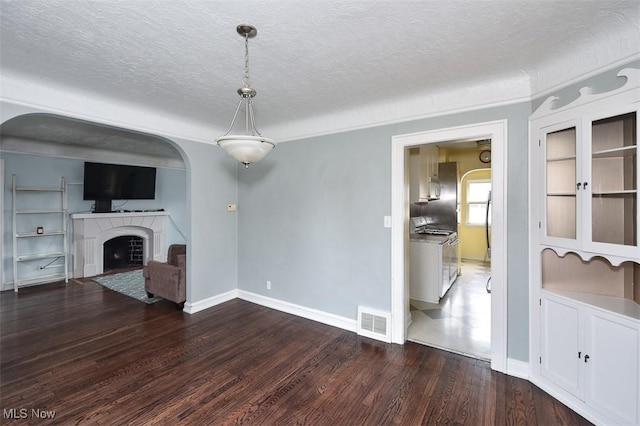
x: 117, y: 214
x: 92, y: 230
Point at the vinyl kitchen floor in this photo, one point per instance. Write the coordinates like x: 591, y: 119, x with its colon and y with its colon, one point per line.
x: 461, y: 323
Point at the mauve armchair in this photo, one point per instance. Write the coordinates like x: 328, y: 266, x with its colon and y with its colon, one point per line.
x: 168, y: 280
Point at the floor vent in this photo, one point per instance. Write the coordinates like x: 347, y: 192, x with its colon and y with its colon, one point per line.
x: 374, y: 324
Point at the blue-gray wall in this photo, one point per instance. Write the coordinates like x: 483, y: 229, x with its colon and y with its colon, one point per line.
x: 45, y: 171
x: 310, y: 215
x: 212, y: 182
x: 311, y: 219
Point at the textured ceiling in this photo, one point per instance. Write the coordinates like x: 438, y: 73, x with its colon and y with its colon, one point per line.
x: 310, y: 59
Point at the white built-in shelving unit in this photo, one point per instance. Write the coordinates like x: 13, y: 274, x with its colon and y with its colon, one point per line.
x: 585, y: 252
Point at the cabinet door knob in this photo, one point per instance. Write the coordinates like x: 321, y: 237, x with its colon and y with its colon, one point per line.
x: 586, y: 358
x: 585, y: 185
x: 579, y: 184
x: 579, y: 354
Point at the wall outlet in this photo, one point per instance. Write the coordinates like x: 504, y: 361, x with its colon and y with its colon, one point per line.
x: 268, y: 285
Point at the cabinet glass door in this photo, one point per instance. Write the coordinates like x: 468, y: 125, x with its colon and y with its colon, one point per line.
x: 614, y: 205
x: 560, y: 151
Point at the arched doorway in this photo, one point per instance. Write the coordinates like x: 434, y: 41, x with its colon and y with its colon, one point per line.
x: 39, y: 147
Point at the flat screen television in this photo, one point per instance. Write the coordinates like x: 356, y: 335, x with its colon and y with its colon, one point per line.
x: 106, y: 182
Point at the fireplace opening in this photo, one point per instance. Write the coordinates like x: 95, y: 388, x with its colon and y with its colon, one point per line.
x: 122, y: 252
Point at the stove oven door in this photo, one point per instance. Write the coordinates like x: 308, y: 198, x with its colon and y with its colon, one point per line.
x: 453, y: 263
x: 449, y: 265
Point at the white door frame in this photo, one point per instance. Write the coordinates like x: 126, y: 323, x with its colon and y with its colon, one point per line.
x: 400, y: 314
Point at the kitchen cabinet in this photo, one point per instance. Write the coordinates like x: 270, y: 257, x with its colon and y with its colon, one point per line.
x: 595, y: 354
x: 433, y: 267
x: 425, y: 271
x: 584, y: 254
x: 429, y: 184
x: 424, y: 183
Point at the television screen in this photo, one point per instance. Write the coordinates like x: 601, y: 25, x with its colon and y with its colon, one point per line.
x: 118, y: 182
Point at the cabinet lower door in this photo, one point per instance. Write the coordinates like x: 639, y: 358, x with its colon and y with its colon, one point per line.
x: 560, y: 347
x: 424, y: 270
x: 612, y: 367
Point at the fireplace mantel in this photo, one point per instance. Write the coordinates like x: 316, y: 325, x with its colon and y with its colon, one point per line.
x: 92, y: 230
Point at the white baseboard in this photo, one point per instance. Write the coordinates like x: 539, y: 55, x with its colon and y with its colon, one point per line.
x: 201, y: 305
x: 301, y: 311
x: 517, y: 368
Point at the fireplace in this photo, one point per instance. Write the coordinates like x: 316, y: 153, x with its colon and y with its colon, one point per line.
x: 122, y: 252
x: 91, y: 231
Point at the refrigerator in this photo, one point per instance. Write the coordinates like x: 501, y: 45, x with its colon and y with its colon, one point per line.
x: 443, y: 213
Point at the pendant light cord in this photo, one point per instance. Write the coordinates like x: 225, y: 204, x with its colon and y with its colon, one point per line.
x: 246, y: 80
x: 246, y: 94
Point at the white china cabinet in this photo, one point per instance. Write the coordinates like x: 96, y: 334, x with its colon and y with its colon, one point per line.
x: 584, y: 254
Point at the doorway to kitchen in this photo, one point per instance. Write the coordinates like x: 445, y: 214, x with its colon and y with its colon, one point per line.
x: 458, y: 317
x: 496, y: 132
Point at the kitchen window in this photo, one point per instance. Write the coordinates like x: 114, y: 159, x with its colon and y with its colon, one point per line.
x: 478, y: 191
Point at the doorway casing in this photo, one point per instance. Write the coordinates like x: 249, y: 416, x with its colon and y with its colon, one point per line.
x: 400, y: 315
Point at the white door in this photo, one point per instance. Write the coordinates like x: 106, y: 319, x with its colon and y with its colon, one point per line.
x: 561, y: 352
x: 612, y: 347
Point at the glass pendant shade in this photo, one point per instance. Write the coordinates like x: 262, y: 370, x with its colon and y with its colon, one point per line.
x: 245, y: 148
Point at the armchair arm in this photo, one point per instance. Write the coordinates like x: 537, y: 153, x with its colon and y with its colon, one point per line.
x: 164, y: 280
x: 182, y: 262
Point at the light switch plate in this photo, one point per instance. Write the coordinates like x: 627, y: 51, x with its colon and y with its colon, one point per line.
x: 387, y: 221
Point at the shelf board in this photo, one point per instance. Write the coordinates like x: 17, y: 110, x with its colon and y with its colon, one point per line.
x: 40, y: 211
x: 35, y: 234
x: 614, y: 193
x: 565, y: 158
x: 36, y: 256
x: 618, y: 305
x: 561, y: 194
x: 38, y: 189
x: 41, y: 279
x: 624, y: 151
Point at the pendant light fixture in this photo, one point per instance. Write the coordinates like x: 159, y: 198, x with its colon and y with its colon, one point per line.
x: 251, y: 146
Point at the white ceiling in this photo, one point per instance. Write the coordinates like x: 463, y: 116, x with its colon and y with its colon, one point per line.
x: 318, y: 66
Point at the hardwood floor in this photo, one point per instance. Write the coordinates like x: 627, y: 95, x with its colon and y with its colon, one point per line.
x: 93, y: 356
